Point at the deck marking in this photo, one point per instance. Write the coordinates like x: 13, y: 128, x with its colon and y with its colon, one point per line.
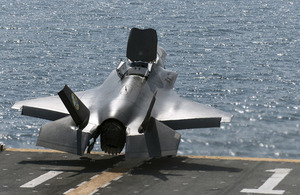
x: 41, y: 179
x: 81, y: 183
x: 105, y: 185
x: 93, y: 192
x: 244, y: 158
x: 271, y: 183
x: 94, y: 176
x: 104, y: 179
x: 117, y: 178
x: 66, y: 192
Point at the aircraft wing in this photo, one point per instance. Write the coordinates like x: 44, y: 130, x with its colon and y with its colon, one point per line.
x: 179, y: 113
x: 50, y: 108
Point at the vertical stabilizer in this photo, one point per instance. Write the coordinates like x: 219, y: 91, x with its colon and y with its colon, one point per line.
x: 78, y: 111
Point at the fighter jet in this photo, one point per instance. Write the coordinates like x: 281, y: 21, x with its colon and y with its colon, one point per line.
x: 136, y: 108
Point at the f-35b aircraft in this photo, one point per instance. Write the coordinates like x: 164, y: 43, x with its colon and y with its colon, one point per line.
x: 136, y: 106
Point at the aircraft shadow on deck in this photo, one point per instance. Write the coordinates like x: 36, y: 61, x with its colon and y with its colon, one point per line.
x: 156, y: 167
x: 78, y: 166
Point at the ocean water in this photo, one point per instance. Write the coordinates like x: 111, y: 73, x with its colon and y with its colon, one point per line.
x: 238, y: 56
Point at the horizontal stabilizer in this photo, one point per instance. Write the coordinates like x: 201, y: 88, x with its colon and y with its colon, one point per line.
x: 78, y: 111
x: 63, y: 135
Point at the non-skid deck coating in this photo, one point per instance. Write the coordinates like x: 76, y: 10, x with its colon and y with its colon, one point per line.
x: 52, y: 172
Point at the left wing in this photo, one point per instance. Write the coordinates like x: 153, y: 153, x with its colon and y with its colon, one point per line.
x: 179, y: 113
x: 50, y: 108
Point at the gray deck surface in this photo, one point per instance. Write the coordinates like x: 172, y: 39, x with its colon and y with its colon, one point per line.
x: 50, y: 172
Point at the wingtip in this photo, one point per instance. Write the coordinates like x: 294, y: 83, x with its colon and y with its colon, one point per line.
x: 17, y: 106
x: 227, y: 119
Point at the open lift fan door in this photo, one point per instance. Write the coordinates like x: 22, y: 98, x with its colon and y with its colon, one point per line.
x: 142, y: 45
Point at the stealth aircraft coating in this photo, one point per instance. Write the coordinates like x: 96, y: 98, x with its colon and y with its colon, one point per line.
x: 135, y: 107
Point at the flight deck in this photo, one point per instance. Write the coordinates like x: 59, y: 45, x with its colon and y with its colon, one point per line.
x: 35, y: 171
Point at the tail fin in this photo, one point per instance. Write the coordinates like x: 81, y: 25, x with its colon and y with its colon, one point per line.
x: 78, y: 111
x: 158, y: 140
x: 145, y: 124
